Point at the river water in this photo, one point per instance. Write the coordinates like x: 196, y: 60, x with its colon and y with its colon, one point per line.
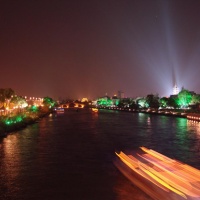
x: 70, y: 156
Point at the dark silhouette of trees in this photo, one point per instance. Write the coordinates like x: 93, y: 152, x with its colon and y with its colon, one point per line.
x: 153, y: 101
x: 5, y: 96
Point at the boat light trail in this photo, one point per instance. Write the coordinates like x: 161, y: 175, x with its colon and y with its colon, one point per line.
x: 160, y: 176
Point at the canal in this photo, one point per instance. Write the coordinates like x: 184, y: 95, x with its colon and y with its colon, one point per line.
x: 70, y: 155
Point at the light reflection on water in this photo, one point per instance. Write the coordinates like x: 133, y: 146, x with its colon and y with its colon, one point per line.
x: 70, y: 156
x: 10, y: 163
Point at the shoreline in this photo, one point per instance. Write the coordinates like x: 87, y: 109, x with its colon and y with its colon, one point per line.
x: 6, y: 129
x: 162, y: 112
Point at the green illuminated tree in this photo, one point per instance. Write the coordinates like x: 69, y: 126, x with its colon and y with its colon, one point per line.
x: 141, y: 102
x: 34, y: 109
x: 49, y: 102
x: 164, y: 102
x: 104, y: 102
x: 170, y: 102
x: 184, y: 98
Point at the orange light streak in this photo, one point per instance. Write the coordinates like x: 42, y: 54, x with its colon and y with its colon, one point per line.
x: 170, y: 176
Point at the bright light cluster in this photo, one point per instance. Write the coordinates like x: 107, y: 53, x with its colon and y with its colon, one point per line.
x: 161, y: 177
x: 14, y: 120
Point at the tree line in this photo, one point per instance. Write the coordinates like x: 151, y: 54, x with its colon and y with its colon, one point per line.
x: 8, y: 99
x: 184, y: 99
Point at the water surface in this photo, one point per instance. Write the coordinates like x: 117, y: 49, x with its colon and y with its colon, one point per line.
x: 70, y: 156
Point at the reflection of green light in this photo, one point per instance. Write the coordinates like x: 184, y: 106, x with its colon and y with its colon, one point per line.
x: 181, y: 131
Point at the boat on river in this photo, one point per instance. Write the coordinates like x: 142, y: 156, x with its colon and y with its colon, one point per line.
x: 160, y: 176
x: 60, y: 110
x: 95, y: 109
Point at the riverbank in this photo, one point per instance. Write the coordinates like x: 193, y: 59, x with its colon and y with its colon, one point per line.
x: 9, y: 124
x: 183, y: 113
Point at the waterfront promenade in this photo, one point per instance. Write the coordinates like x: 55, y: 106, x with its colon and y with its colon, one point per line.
x: 166, y: 112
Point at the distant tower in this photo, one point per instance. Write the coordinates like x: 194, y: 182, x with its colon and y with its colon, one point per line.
x: 120, y: 95
x: 175, y: 90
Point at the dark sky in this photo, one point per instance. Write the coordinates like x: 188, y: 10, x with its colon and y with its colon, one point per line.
x: 76, y: 49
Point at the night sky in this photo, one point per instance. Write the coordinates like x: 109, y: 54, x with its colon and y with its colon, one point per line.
x: 75, y: 49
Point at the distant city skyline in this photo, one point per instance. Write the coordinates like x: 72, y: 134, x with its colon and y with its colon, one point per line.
x: 119, y: 95
x: 76, y: 49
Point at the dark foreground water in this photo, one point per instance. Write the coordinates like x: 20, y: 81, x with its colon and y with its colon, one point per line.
x: 70, y: 156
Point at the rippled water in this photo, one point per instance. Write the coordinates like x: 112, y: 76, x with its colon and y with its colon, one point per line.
x: 70, y: 156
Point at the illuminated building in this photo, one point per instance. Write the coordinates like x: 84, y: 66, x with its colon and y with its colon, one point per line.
x: 175, y: 90
x: 84, y: 100
x: 120, y: 95
x: 34, y: 101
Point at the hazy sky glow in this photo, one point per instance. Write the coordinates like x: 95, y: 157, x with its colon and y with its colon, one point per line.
x: 88, y: 48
